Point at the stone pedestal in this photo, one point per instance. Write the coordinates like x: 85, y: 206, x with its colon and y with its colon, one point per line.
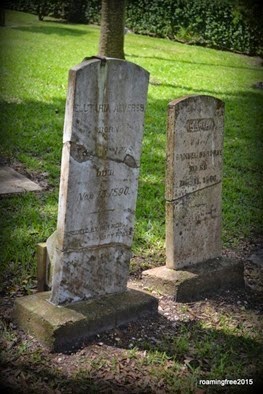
x: 63, y: 328
x: 203, y: 279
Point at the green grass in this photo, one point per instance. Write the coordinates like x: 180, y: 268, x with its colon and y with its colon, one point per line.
x: 35, y: 59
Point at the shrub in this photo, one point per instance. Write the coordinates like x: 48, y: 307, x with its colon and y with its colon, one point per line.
x: 224, y: 24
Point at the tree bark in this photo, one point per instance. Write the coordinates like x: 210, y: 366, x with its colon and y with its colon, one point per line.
x: 111, y: 42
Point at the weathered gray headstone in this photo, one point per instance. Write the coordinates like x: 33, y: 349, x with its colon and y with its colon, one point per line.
x: 194, y: 265
x: 90, y: 250
x: 193, y: 180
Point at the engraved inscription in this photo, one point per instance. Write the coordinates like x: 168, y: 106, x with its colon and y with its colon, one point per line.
x: 198, y: 162
x: 210, y: 179
x: 119, y: 107
x: 104, y: 172
x: 80, y: 154
x: 86, y: 196
x: 196, y: 180
x: 198, y: 155
x: 120, y: 150
x: 86, y: 107
x: 105, y: 193
x: 114, y: 192
x: 128, y: 107
x: 204, y: 213
x: 105, y: 130
x: 194, y: 125
x: 195, y: 168
x: 104, y: 231
x: 190, y: 181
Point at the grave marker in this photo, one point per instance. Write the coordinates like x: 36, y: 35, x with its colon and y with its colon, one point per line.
x: 195, y: 133
x: 194, y: 265
x: 90, y: 250
x: 89, y: 253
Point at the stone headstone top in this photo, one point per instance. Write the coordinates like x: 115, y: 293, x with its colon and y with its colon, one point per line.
x: 194, y: 145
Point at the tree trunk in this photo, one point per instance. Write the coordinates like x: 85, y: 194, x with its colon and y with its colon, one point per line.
x: 2, y: 16
x: 112, y: 29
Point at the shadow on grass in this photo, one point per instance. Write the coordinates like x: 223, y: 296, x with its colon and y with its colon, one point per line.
x: 33, y: 128
x: 221, y: 65
x: 47, y: 29
x: 32, y: 131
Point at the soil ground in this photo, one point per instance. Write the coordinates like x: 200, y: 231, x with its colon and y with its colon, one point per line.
x: 138, y: 357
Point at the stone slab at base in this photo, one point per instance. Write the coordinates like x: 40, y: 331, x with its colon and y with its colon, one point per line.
x: 197, y: 281
x: 63, y: 328
x: 12, y: 181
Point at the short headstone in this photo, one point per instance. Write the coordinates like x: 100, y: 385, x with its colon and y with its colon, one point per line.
x: 91, y: 249
x: 194, y: 265
x: 195, y: 133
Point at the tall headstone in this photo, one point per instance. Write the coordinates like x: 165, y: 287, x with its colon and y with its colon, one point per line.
x: 91, y: 247
x: 195, y: 134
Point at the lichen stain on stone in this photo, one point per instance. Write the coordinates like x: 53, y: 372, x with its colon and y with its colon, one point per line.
x: 101, y: 151
x: 78, y: 152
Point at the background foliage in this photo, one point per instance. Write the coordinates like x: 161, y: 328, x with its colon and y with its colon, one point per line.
x: 225, y: 24
x: 234, y: 25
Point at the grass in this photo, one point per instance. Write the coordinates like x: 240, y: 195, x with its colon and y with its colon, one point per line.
x: 35, y: 59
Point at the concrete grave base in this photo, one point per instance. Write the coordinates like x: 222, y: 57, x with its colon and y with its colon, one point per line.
x: 200, y: 280
x: 63, y: 328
